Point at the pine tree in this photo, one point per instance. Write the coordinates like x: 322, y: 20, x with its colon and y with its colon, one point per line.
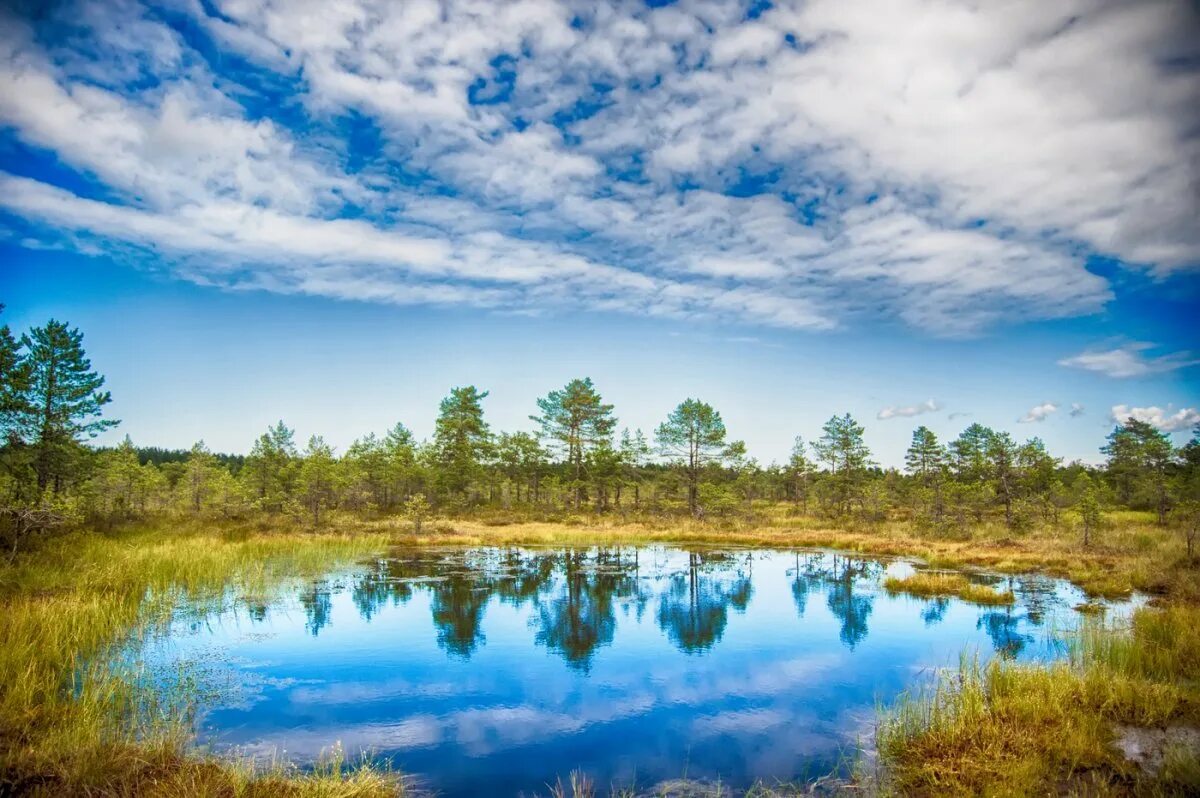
x: 200, y: 476
x: 1088, y: 505
x: 800, y: 469
x: 842, y: 447
x: 270, y: 468
x: 1001, y: 452
x: 1140, y: 458
x: 635, y: 452
x: 576, y: 422
x: 318, y: 477
x: 926, y: 460
x: 63, y: 403
x: 461, y: 440
x: 14, y: 385
x: 693, y: 436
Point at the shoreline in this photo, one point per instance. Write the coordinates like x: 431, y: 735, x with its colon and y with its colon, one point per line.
x: 81, y: 742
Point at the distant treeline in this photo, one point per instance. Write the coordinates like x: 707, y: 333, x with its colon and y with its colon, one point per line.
x: 575, y: 461
x: 156, y: 455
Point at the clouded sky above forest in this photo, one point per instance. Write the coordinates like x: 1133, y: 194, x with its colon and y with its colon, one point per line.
x: 922, y: 212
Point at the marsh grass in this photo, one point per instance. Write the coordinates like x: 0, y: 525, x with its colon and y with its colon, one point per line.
x: 929, y: 584
x: 75, y: 719
x: 1011, y: 729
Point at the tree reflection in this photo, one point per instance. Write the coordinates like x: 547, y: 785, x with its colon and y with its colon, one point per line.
x: 694, y: 610
x: 1002, y: 626
x: 810, y: 570
x: 385, y: 581
x: 318, y: 605
x: 851, y: 609
x: 935, y: 610
x: 457, y: 607
x: 581, y: 620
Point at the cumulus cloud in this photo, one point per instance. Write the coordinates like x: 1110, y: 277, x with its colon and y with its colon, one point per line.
x: 1076, y: 411
x: 689, y: 161
x: 1164, y: 420
x: 1039, y: 413
x: 1129, y: 361
x: 928, y: 406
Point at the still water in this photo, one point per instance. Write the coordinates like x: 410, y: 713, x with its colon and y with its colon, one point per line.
x: 492, y: 671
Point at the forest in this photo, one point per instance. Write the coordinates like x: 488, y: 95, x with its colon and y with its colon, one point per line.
x: 573, y: 462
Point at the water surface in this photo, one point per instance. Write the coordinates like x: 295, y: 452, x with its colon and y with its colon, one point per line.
x: 492, y: 671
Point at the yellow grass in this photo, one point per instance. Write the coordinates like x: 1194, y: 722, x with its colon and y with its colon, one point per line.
x: 927, y: 585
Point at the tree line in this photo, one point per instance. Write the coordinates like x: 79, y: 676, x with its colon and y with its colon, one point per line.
x: 52, y: 405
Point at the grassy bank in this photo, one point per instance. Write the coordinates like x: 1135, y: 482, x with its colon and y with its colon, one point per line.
x: 68, y: 725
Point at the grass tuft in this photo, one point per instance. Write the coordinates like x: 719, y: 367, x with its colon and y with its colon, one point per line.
x: 929, y: 584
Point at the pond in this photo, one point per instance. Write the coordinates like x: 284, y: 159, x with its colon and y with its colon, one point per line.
x: 494, y: 671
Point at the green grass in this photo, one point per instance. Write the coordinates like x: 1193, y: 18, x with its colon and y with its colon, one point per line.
x: 928, y: 585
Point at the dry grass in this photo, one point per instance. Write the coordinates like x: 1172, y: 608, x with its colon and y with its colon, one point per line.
x: 927, y: 585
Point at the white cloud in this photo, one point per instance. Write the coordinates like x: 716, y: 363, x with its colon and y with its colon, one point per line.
x: 1164, y: 420
x: 1039, y: 413
x: 1076, y: 411
x: 980, y: 159
x: 928, y: 406
x: 1128, y: 361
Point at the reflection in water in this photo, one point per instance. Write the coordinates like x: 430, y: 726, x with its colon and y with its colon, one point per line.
x: 489, y: 671
x: 574, y: 595
x: 458, y: 604
x: 317, y: 603
x: 935, y: 610
x: 581, y: 619
x: 695, y: 607
x: 847, y: 582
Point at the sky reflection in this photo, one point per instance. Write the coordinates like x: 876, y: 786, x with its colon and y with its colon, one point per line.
x: 495, y: 670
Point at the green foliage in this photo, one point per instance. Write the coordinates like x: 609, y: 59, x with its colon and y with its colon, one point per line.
x: 320, y: 478
x: 1087, y: 504
x: 801, y: 472
x: 462, y: 440
x: 1139, y: 463
x: 417, y: 509
x: 842, y: 448
x: 270, y: 469
x: 983, y: 474
x: 576, y: 423
x: 926, y: 460
x: 55, y: 399
x: 693, y: 436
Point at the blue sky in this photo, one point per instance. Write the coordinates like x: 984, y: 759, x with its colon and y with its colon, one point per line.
x: 930, y: 213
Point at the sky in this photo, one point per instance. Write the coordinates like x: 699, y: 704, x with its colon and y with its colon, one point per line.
x: 919, y: 212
